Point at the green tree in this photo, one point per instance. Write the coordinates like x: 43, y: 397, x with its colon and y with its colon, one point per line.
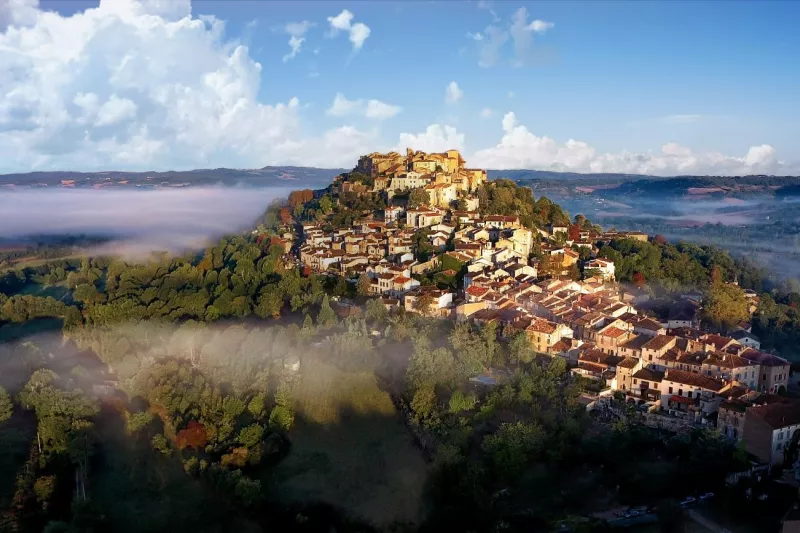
x: 250, y: 436
x: 282, y: 418
x: 462, y: 402
x: 725, y: 306
x: 418, y: 197
x: 326, y: 316
x: 6, y: 407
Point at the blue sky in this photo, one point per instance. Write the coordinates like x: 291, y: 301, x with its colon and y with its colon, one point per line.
x: 658, y: 87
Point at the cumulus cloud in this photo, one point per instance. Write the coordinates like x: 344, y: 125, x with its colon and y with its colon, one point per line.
x: 519, y: 148
x: 540, y: 26
x: 374, y: 109
x: 453, y: 93
x: 297, y: 32
x: 138, y: 222
x: 140, y: 85
x: 436, y: 138
x: 358, y: 32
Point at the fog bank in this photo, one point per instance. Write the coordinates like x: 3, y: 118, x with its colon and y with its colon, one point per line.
x: 137, y: 221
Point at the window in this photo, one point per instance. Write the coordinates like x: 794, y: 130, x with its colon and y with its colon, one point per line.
x: 778, y: 447
x: 670, y: 390
x: 763, y: 376
x: 689, y: 394
x: 635, y: 381
x: 680, y: 392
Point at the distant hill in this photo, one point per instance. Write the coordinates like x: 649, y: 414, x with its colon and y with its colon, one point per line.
x: 288, y: 176
x: 310, y: 177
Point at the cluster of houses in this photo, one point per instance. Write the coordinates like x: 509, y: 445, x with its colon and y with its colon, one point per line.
x: 669, y: 366
x: 442, y: 176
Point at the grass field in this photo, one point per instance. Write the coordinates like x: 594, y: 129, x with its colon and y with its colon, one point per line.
x: 350, y: 449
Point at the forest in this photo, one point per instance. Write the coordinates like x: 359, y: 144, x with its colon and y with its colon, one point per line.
x: 228, y: 389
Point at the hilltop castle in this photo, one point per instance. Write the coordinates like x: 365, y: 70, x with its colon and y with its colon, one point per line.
x: 442, y: 175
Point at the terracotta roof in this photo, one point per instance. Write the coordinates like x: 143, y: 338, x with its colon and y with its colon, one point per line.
x: 718, y: 341
x: 778, y: 415
x: 696, y: 380
x: 649, y: 374
x: 681, y: 399
x: 763, y: 358
x: 726, y: 360
x: 695, y: 358
x: 628, y: 362
x: 648, y: 324
x: 637, y: 342
x: 659, y: 342
x: 542, y: 326
x: 612, y: 332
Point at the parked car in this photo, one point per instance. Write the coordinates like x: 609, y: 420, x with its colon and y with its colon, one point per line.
x: 688, y: 500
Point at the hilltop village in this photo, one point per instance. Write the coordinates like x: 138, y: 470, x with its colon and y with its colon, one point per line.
x: 422, y: 234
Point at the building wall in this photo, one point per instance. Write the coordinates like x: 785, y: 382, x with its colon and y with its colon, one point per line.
x: 757, y: 437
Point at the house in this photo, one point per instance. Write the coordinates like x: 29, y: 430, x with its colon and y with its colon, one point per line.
x: 745, y: 338
x: 440, y: 300
x: 392, y: 214
x: 657, y: 346
x: 544, y: 334
x: 624, y: 373
x: 683, y: 314
x: 604, y: 267
x: 647, y: 383
x: 687, y: 391
x: 731, y: 367
x: 774, y: 370
x: 648, y: 326
x: 769, y: 429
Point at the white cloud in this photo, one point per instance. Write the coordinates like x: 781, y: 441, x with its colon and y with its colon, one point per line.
x: 380, y: 110
x: 142, y: 85
x: 297, y: 32
x: 341, y: 106
x: 115, y: 110
x: 436, y: 138
x: 486, y: 112
x: 519, y: 148
x: 491, y: 42
x: 373, y: 109
x: 344, y: 22
x: 489, y: 46
x: 453, y: 93
x: 540, y: 26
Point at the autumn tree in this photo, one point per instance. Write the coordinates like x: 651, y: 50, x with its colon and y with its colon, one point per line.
x: 638, y: 279
x: 423, y: 303
x: 574, y: 232
x: 194, y: 435
x: 363, y: 287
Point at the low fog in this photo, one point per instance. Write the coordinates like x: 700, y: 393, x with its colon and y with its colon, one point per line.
x: 137, y: 221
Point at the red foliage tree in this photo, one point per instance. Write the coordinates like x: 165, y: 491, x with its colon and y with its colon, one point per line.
x: 286, y: 215
x: 574, y: 232
x: 300, y: 197
x: 638, y: 279
x: 660, y: 240
x: 193, y: 436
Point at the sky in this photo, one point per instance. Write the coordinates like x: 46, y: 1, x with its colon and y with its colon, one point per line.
x: 663, y: 88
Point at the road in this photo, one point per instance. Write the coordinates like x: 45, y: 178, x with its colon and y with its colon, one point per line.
x: 706, y: 522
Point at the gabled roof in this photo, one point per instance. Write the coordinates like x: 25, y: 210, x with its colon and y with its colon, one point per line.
x: 695, y: 380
